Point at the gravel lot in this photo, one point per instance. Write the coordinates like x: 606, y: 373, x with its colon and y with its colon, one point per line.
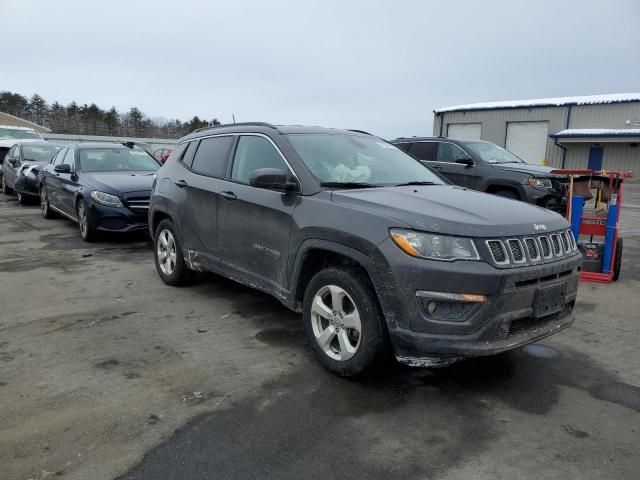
x: 106, y: 372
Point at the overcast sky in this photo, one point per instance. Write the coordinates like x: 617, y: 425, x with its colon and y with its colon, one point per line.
x: 381, y: 66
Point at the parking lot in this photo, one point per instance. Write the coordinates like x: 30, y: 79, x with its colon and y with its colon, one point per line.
x: 105, y: 373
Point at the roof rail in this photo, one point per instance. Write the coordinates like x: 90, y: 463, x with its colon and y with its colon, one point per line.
x: 358, y: 131
x: 239, y: 124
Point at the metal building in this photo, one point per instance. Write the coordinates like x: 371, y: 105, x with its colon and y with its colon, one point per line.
x: 598, y: 131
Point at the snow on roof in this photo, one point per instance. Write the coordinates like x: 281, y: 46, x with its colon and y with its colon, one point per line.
x: 598, y: 132
x: 16, y: 127
x: 546, y: 102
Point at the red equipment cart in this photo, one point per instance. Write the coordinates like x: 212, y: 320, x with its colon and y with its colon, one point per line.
x: 593, y: 208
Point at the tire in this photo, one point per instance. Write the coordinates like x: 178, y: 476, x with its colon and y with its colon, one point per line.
x: 331, y: 299
x: 5, y: 188
x: 22, y: 200
x: 617, y: 262
x: 167, y: 253
x: 85, y: 222
x: 507, y: 194
x: 45, y: 208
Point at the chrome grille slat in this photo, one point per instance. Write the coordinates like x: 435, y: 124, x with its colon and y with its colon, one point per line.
x: 555, y: 242
x: 545, y: 246
x: 498, y: 252
x: 531, y: 250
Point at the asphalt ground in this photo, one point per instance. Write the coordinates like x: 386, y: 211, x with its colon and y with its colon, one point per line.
x: 107, y: 373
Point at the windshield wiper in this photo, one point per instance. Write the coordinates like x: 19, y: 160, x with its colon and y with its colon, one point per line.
x: 416, y: 183
x: 348, y: 185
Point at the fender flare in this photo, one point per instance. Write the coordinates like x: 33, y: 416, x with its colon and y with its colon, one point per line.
x: 356, y: 255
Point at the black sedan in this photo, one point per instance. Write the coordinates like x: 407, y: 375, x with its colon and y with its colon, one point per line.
x: 102, y: 186
x: 21, y: 167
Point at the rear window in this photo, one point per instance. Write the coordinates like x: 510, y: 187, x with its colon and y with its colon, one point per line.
x: 18, y: 134
x: 39, y: 153
x: 116, y: 160
x: 211, y: 156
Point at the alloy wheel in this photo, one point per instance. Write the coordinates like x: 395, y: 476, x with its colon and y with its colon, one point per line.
x: 336, y: 323
x: 82, y: 219
x: 43, y: 201
x: 166, y: 252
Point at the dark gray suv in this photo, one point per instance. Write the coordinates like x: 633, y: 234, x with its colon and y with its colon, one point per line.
x: 377, y: 252
x: 486, y: 167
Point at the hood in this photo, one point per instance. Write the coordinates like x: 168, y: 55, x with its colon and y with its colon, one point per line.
x: 452, y: 210
x: 537, y: 170
x: 120, y: 182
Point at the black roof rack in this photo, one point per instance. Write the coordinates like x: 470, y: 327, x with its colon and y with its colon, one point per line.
x: 358, y: 131
x: 240, y: 124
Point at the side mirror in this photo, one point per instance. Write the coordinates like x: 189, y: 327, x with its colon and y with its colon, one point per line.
x: 465, y: 161
x: 271, y: 179
x: 64, y: 168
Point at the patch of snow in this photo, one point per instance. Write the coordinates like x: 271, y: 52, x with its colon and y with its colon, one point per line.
x: 546, y: 102
x: 598, y: 132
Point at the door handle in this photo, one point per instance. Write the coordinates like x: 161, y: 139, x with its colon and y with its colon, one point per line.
x: 181, y: 183
x: 228, y: 195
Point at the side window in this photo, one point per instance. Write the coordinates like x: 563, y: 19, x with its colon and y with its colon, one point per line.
x: 253, y: 153
x: 187, y: 158
x: 69, y: 158
x: 211, y: 157
x: 448, y: 152
x: 424, y: 150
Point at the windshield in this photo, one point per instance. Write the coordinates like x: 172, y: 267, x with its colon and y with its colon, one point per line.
x: 39, y: 153
x: 17, y: 134
x: 344, y: 158
x: 492, y: 153
x: 116, y: 160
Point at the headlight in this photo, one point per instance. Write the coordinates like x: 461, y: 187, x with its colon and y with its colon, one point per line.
x: 106, y: 199
x: 539, y: 182
x: 434, y: 246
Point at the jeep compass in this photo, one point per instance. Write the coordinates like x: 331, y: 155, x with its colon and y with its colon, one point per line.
x: 376, y: 251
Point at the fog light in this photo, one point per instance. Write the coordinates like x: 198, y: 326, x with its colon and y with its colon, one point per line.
x: 451, y: 307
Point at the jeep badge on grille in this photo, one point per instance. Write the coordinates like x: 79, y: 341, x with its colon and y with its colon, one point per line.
x: 539, y: 226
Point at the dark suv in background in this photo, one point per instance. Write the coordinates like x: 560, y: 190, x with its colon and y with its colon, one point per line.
x: 373, y: 248
x: 486, y: 167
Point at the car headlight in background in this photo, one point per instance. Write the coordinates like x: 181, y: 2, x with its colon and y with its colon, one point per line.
x: 106, y: 199
x: 434, y: 246
x: 539, y: 182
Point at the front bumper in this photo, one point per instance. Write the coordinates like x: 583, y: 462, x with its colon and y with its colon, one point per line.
x: 123, y: 219
x: 505, y: 321
x: 27, y: 185
x: 553, y: 199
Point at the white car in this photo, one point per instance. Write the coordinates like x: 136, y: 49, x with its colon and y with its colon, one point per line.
x: 10, y: 135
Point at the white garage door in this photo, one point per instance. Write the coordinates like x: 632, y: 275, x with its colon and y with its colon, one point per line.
x: 469, y: 131
x: 528, y: 140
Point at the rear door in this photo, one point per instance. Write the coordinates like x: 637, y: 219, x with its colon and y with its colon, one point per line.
x: 446, y: 164
x: 10, y: 168
x: 203, y: 165
x: 254, y: 223
x: 68, y: 183
x: 51, y: 180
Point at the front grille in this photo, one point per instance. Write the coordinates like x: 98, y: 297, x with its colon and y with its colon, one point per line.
x: 555, y: 241
x: 515, y: 247
x: 545, y: 246
x: 498, y: 251
x: 138, y: 203
x: 532, y: 249
x: 529, y: 325
x: 539, y: 248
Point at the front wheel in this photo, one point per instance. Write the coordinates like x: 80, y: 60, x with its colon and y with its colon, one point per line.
x: 167, y: 252
x: 85, y: 221
x: 45, y: 208
x: 343, y: 321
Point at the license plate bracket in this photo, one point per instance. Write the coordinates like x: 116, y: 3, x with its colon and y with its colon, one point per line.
x: 549, y: 300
